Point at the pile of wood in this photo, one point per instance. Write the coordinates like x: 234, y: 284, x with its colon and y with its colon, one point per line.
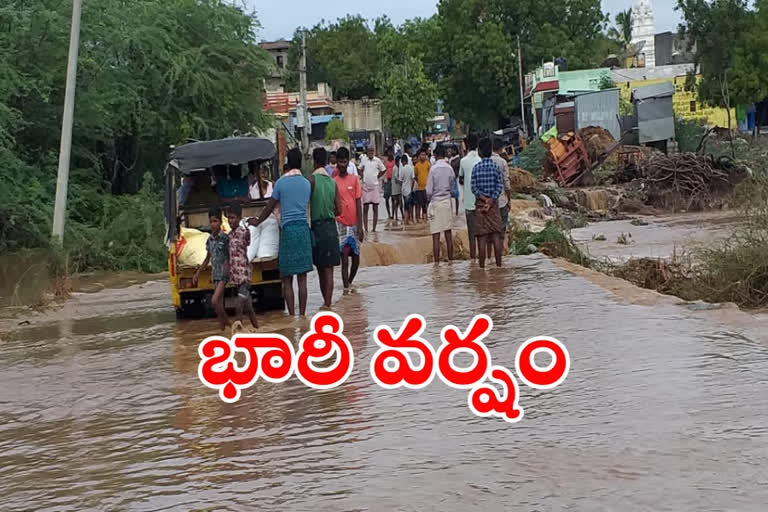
x: 686, y: 181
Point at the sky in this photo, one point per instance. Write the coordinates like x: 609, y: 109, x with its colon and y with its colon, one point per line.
x: 279, y: 18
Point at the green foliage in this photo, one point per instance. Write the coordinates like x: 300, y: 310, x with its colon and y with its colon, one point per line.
x: 142, y: 86
x: 336, y: 131
x: 688, y: 134
x: 552, y: 241
x: 469, y: 49
x: 533, y: 157
x: 341, y: 54
x: 623, y: 21
x: 408, y: 100
x: 606, y: 82
x: 129, y: 234
x: 731, y: 44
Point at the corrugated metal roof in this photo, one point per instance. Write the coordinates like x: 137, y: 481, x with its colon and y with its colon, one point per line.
x: 656, y: 73
x: 661, y: 90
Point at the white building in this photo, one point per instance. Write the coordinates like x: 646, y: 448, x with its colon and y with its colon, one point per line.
x: 644, y: 30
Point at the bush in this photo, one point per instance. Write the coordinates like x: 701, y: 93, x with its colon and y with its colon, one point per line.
x: 552, y: 241
x: 688, y: 134
x: 533, y: 157
x: 336, y: 131
x: 128, y: 234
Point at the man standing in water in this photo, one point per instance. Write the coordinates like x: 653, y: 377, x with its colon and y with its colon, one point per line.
x: 465, y: 178
x: 454, y: 159
x: 293, y: 191
x: 487, y: 186
x: 324, y: 205
x: 372, y: 170
x: 349, y: 224
x: 439, y: 187
x: 501, y: 162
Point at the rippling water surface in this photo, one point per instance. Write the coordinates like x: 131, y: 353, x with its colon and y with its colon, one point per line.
x: 664, y: 409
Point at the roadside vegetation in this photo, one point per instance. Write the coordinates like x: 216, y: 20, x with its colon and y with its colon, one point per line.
x: 141, y: 88
x: 731, y: 270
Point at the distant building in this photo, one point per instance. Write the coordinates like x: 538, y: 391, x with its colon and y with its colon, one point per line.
x: 685, y: 102
x: 278, y: 50
x: 547, y: 83
x: 672, y: 48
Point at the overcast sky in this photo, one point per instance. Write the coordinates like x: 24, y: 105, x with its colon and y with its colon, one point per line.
x: 279, y: 18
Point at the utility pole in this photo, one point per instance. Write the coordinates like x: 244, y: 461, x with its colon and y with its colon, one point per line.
x: 65, y: 149
x: 303, y: 92
x: 522, y: 101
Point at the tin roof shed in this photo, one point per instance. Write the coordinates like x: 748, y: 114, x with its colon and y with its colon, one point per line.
x: 655, y: 113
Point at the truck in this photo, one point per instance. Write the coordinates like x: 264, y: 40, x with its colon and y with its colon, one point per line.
x: 195, y: 162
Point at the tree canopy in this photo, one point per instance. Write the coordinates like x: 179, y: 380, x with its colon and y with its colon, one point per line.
x: 731, y: 49
x: 409, y: 99
x: 468, y: 49
x: 142, y: 86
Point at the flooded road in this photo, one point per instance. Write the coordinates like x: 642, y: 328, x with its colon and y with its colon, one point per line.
x: 660, y: 237
x: 665, y: 408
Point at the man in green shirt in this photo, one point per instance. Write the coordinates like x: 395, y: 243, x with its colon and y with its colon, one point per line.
x: 324, y: 206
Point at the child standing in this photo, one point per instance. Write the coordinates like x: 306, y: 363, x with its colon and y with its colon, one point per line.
x: 218, y: 256
x: 239, y: 266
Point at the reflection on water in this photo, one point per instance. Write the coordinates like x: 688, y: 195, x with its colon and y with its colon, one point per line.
x: 664, y: 408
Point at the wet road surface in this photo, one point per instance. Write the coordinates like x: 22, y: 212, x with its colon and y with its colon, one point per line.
x: 662, y: 237
x: 665, y: 408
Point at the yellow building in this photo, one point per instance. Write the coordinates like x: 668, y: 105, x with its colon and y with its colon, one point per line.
x: 686, y: 103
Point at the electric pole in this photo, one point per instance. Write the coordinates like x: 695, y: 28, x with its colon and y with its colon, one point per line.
x: 522, y: 101
x: 65, y: 148
x: 303, y: 93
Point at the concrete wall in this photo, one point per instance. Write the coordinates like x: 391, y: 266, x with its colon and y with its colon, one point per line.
x: 361, y: 115
x: 581, y: 80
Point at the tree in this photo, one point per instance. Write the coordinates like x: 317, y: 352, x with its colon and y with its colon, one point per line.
x: 341, y: 54
x: 336, y: 131
x: 623, y: 29
x: 727, y: 42
x: 717, y: 30
x: 408, y: 100
x: 142, y: 86
x: 475, y: 48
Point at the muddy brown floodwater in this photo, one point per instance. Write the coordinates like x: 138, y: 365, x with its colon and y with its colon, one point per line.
x: 661, y: 237
x: 665, y: 408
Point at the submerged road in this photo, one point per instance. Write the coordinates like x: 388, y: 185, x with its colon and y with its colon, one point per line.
x: 665, y: 408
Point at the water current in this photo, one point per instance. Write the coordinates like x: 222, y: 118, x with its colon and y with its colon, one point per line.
x: 665, y: 408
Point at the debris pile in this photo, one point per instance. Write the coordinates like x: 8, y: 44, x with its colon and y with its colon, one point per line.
x: 522, y: 181
x: 686, y: 181
x: 654, y: 274
x: 597, y: 141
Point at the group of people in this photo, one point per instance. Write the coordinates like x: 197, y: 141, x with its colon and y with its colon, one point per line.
x: 320, y: 225
x: 324, y: 218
